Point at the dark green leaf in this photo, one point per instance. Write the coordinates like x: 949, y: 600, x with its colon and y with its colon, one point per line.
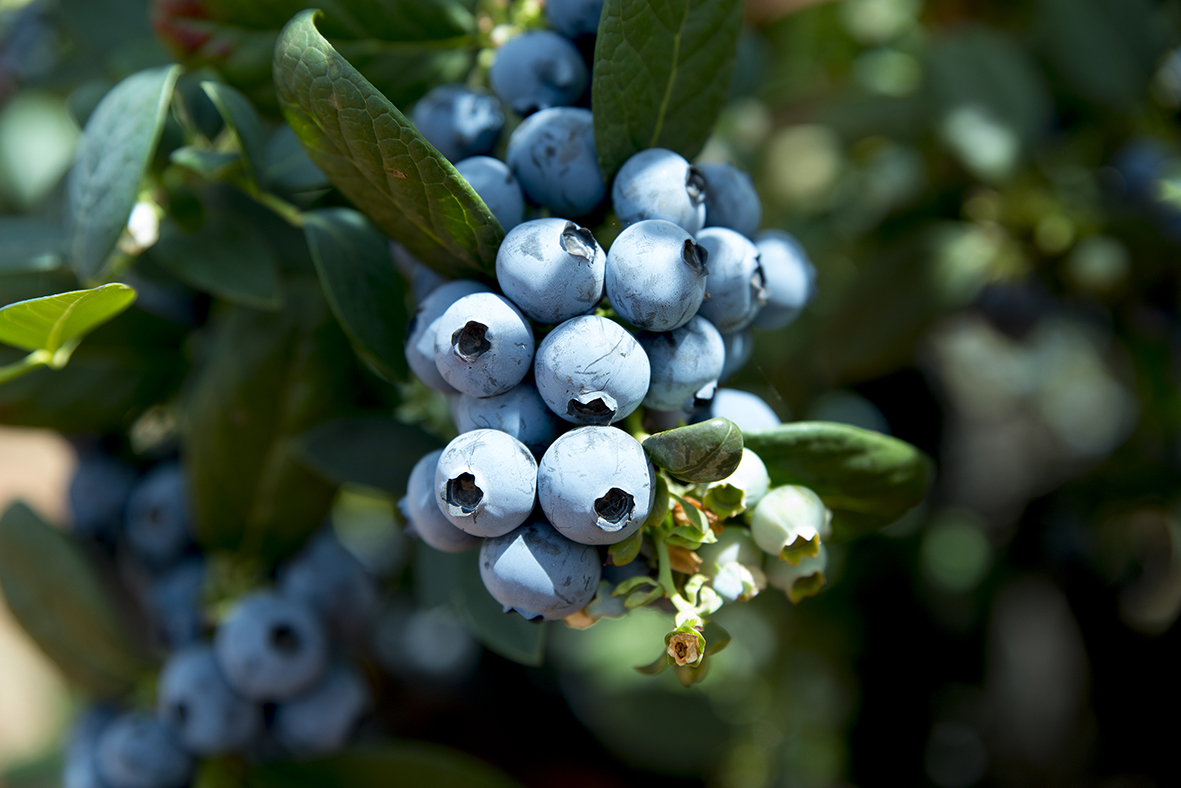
x: 385, y: 20
x: 227, y: 258
x: 109, y: 164
x: 623, y: 553
x: 866, y: 478
x: 29, y: 245
x: 55, y: 593
x: 376, y: 157
x: 56, y: 324
x: 361, y: 285
x: 716, y: 638
x: 269, y: 378
x: 373, y: 451
x: 404, y: 763
x: 661, y: 73
x: 454, y: 578
x: 705, y: 452
x: 241, y: 117
x: 210, y: 164
x: 656, y: 667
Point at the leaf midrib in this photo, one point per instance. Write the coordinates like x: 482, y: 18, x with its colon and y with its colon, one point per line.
x: 672, y: 78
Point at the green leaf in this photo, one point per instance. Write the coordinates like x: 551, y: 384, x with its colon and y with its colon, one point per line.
x: 209, y: 164
x: 866, y: 478
x: 268, y: 379
x: 661, y: 72
x: 704, y: 452
x: 109, y: 164
x: 359, y: 450
x: 227, y: 258
x: 623, y: 553
x: 241, y: 117
x: 362, y: 287
x: 288, y: 167
x: 54, y: 325
x: 29, y: 245
x: 455, y: 578
x: 53, y: 590
x: 408, y: 764
x: 376, y: 157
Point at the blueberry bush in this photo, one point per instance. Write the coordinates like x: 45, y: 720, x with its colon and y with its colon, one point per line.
x: 433, y: 362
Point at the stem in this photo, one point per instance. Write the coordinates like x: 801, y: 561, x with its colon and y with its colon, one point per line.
x: 285, y: 210
x: 38, y: 358
x: 665, y: 576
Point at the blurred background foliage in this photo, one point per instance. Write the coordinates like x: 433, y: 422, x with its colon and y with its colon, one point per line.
x: 991, y: 192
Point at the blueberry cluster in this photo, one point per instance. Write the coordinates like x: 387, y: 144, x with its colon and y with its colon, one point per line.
x: 575, y: 340
x: 274, y: 677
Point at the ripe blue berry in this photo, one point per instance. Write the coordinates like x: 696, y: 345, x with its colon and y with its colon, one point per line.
x: 552, y: 153
x: 329, y: 579
x: 552, y: 269
x: 81, y: 765
x: 175, y: 603
x: 740, y: 346
x: 320, y: 721
x: 271, y: 647
x: 459, y: 121
x: 497, y: 186
x: 596, y: 485
x: 574, y: 18
x: 520, y: 412
x: 656, y: 275
x: 424, y: 519
x: 538, y: 70
x: 735, y: 290
x: 98, y: 494
x: 686, y: 364
x: 158, y: 516
x: 539, y: 573
x: 138, y: 751
x: 590, y: 370
x: 659, y: 184
x: 420, y: 334
x: 730, y: 199
x: 483, y: 345
x: 747, y: 410
x: 195, y: 700
x: 486, y: 482
x: 790, y: 278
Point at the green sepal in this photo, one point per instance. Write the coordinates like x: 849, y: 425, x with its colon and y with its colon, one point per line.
x: 800, y: 549
x: 704, y: 452
x: 632, y: 583
x: 656, y: 667
x: 806, y: 586
x: 716, y: 638
x: 641, y: 598
x: 623, y: 553
x: 679, y: 634
x: 724, y: 500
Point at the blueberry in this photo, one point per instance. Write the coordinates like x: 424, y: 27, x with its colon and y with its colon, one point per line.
x: 747, y: 410
x: 271, y: 647
x: 486, y: 482
x: 497, y: 186
x: 81, y: 766
x: 158, y: 528
x: 420, y: 334
x: 538, y: 70
x: 659, y: 184
x: 138, y: 751
x: 483, y: 345
x: 686, y: 364
x: 730, y: 199
x: 740, y: 346
x: 520, y: 412
x: 736, y: 286
x: 790, y: 278
x: 656, y: 275
x: 423, y: 279
x: 175, y: 603
x: 552, y: 269
x: 424, y: 519
x: 590, y: 370
x: 596, y: 485
x: 552, y: 153
x: 329, y: 579
x: 459, y: 121
x: 98, y: 494
x: 539, y: 573
x: 574, y: 18
x: 195, y: 700
x: 320, y: 721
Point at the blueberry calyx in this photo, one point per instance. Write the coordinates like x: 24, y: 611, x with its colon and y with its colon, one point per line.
x: 695, y: 256
x: 614, y: 509
x: 471, y: 341
x: 705, y: 395
x: 578, y: 241
x: 695, y: 186
x: 463, y: 494
x: 596, y: 408
x: 285, y: 639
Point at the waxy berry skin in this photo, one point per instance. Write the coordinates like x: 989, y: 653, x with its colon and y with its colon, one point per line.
x: 539, y: 573
x: 659, y: 184
x: 271, y: 648
x: 553, y: 155
x: 459, y: 121
x: 552, y: 269
x: 686, y: 365
x: 424, y: 518
x: 656, y: 275
x: 486, y: 482
x: 483, y: 345
x: 736, y: 285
